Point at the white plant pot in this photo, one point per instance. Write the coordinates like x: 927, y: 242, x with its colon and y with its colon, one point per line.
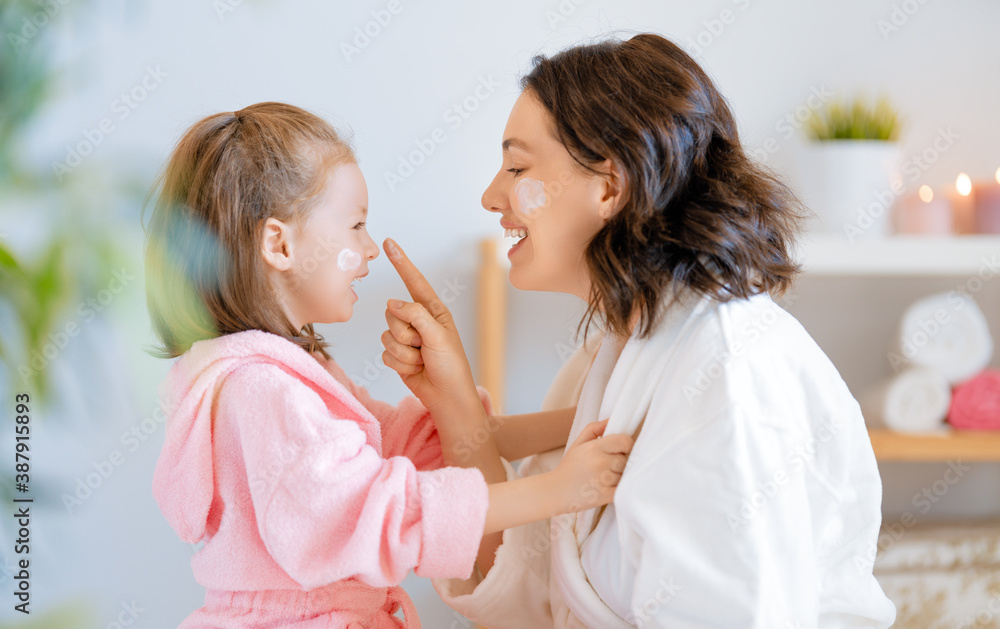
x: 850, y: 186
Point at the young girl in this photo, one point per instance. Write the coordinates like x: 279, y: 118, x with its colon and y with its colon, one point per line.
x: 312, y: 499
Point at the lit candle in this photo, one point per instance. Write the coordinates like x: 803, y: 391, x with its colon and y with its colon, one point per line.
x: 962, y: 205
x: 987, y: 203
x: 923, y: 213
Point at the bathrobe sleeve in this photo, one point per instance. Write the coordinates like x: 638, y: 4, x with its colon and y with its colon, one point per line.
x: 737, y: 507
x: 328, y: 506
x: 407, y: 428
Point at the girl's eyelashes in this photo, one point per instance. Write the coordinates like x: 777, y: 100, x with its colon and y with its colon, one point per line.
x: 360, y: 225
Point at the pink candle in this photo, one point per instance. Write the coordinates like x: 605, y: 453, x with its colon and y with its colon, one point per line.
x: 923, y: 213
x: 962, y: 206
x: 987, y: 206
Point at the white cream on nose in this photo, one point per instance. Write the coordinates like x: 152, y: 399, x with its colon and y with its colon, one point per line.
x: 348, y: 260
x: 530, y: 196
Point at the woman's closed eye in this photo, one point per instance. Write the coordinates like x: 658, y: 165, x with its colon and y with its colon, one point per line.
x: 515, y: 171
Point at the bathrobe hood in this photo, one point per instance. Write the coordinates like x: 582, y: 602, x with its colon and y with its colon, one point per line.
x: 184, y: 479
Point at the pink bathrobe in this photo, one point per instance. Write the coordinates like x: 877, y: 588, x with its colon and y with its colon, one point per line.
x: 314, y: 500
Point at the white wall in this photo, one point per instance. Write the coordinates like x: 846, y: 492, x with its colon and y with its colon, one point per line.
x: 940, y: 68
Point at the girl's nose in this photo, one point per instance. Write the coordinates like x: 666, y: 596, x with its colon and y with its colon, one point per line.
x: 371, y: 249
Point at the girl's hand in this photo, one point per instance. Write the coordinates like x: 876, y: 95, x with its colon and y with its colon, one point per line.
x: 422, y: 344
x: 585, y: 478
x: 590, y: 470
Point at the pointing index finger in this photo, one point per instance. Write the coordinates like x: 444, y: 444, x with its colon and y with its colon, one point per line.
x: 420, y: 289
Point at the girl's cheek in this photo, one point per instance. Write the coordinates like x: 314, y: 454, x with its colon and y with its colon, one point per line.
x: 348, y: 260
x: 529, y: 197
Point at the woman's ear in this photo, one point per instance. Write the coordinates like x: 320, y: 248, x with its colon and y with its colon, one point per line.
x: 613, y: 191
x: 275, y: 244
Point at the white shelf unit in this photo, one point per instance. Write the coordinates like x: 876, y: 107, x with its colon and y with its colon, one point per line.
x: 912, y: 256
x: 933, y: 256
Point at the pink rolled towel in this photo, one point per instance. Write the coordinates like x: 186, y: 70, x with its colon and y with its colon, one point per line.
x: 975, y: 404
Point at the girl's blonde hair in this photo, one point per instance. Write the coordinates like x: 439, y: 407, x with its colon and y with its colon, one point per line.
x: 205, y: 275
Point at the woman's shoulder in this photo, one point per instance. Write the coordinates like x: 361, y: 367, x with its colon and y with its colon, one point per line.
x: 751, y: 348
x: 746, y: 363
x: 756, y: 328
x: 707, y: 329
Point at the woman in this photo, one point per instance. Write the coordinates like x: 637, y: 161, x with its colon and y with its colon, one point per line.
x: 751, y: 497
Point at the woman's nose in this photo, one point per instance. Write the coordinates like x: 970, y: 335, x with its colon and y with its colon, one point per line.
x: 495, y: 196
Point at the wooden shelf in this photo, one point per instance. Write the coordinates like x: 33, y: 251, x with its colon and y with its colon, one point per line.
x: 948, y: 445
x: 899, y: 255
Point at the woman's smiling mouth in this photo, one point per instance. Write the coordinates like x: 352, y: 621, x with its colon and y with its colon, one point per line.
x: 513, y: 230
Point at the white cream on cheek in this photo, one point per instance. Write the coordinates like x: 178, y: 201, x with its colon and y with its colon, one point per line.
x: 348, y: 260
x: 529, y: 195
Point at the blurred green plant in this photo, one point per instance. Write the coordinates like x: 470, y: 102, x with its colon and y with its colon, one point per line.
x: 40, y: 286
x: 43, y: 291
x: 855, y: 120
x: 59, y: 238
x: 35, y: 292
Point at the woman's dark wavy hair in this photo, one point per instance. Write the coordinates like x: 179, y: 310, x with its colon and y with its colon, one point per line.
x: 698, y: 212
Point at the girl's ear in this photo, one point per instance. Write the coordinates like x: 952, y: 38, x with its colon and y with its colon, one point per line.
x: 613, y: 189
x: 275, y: 244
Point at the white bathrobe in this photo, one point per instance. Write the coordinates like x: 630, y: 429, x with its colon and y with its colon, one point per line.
x: 751, y: 497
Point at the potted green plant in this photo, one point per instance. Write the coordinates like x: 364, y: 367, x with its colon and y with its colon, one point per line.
x: 851, y: 168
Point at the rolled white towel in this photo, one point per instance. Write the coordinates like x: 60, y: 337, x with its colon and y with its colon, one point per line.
x: 947, y: 332
x: 914, y: 400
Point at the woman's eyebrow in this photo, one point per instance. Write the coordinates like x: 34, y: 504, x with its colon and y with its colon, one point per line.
x: 516, y: 143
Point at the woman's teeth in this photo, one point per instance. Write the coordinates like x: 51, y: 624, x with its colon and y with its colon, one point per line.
x: 515, y: 233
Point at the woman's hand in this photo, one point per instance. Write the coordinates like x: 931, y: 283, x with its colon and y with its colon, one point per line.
x: 422, y: 344
x: 590, y: 470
